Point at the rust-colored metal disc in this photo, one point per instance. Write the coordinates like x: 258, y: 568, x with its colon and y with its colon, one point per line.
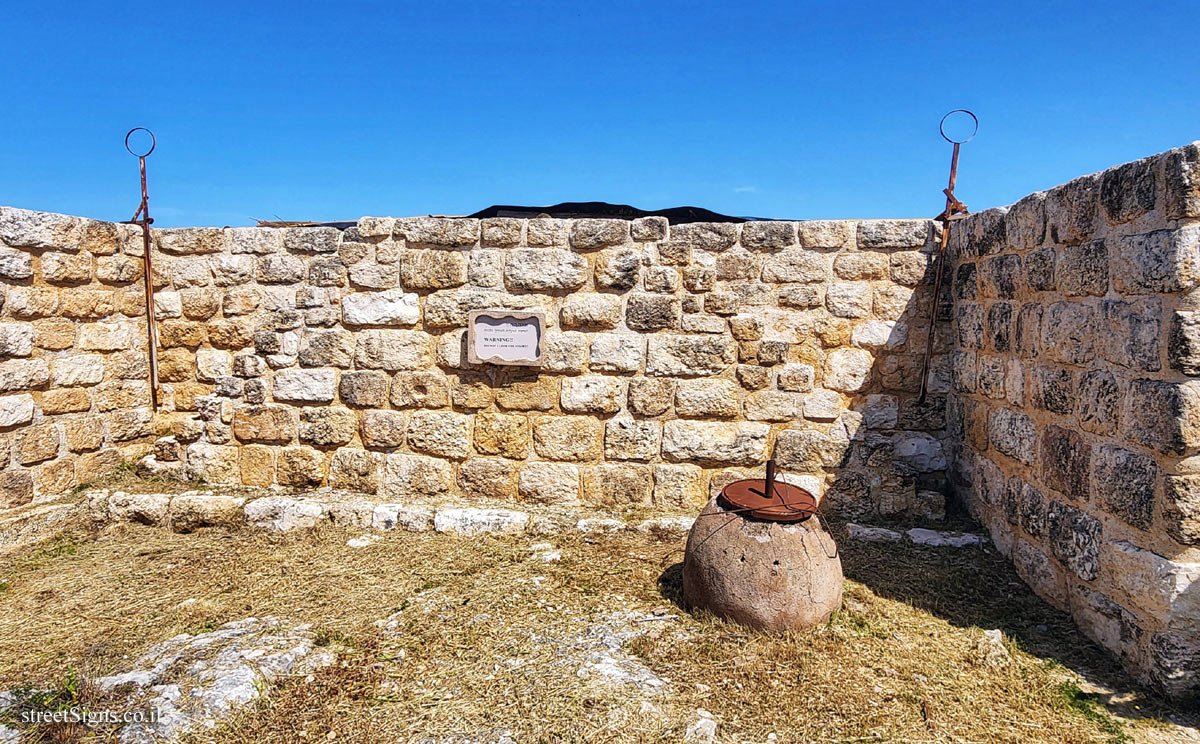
x: 787, y: 503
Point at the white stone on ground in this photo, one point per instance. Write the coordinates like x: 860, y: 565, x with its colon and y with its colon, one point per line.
x: 703, y: 731
x: 936, y: 539
x: 475, y: 521
x: 282, y: 514
x: 221, y: 669
x: 397, y: 516
x: 600, y: 524
x: 667, y: 524
x: 872, y: 534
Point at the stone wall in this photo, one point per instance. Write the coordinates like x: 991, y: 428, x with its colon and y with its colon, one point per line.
x: 73, y: 394
x: 676, y: 358
x: 1075, y: 404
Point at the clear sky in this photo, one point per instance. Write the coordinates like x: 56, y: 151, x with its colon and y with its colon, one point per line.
x: 322, y: 111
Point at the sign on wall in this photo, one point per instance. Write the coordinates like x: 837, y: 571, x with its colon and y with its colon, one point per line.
x: 505, y: 337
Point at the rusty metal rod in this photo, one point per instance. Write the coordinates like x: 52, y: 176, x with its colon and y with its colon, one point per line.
x: 954, y: 210
x: 142, y: 217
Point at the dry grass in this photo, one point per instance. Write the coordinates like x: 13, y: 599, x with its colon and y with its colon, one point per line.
x: 482, y: 645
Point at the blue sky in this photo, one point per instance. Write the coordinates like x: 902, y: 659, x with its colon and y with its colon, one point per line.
x: 325, y: 111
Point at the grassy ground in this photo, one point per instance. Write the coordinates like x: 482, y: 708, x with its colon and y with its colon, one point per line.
x: 487, y: 637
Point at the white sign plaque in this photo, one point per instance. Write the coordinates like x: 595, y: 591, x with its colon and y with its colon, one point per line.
x: 505, y: 337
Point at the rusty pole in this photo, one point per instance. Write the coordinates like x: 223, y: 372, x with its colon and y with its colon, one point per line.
x: 142, y: 217
x: 955, y: 210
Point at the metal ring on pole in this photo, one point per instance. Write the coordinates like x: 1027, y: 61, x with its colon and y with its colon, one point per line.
x: 942, y: 126
x: 153, y: 141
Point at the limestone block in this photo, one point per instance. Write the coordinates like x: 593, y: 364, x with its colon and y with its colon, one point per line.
x: 549, y: 483
x: 847, y: 370
x: 383, y: 429
x: 393, y: 350
x: 587, y: 234
x: 591, y: 310
x: 328, y: 348
x: 15, y: 410
x: 614, y: 484
x: 647, y: 229
x: 649, y: 396
x: 892, y: 234
x: 752, y: 377
x: 678, y: 486
x: 299, y: 466
x: 500, y: 434
x: 538, y: 269
x: 143, y: 508
x: 592, y: 394
x: 617, y: 352
x: 795, y: 376
x: 574, y: 438
x: 419, y: 390
x: 252, y: 240
x: 1158, y: 262
x: 1075, y: 539
x: 231, y: 334
x: 471, y: 392
x: 311, y: 239
x: 619, y: 268
x: 433, y: 269
x: 565, y: 352
x: 32, y: 302
x: 15, y: 265
x: 1130, y: 333
x: 546, y: 231
x: 849, y: 299
x: 304, y: 385
x: 438, y: 231
x: 802, y: 266
x: 502, y: 232
x: 472, y: 521
x: 1125, y: 483
x: 539, y: 394
x: 326, y: 427
x: 486, y: 268
x: 704, y: 398
x: 72, y: 400
x: 440, y: 433
x: 741, y: 443
x: 257, y: 465
x: 671, y: 355
x: 1013, y: 434
x: 488, y: 478
x: 919, y: 451
x: 280, y: 268
x: 106, y: 336
x: 1164, y: 416
x: 214, y: 463
x: 880, y: 412
x: 355, y: 470
x: 127, y: 425
x: 802, y: 450
x: 67, y: 268
x: 212, y: 364
x: 629, y: 439
x: 171, y: 334
x: 266, y: 423
x: 23, y: 374
x: 873, y: 334
x: 390, y: 307
x: 409, y: 476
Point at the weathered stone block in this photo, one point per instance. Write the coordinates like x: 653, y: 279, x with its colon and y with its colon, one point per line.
x: 587, y: 234
x: 614, y: 484
x: 778, y: 405
x: 847, y: 370
x: 214, y: 463
x: 652, y: 312
x: 440, y: 433
x: 1075, y: 539
x: 1125, y: 484
x: 1071, y: 210
x: 1054, y: 389
x: 23, y: 374
x: 1069, y: 332
x: 1181, y: 508
x: 499, y: 434
x: 326, y: 427
x: 768, y: 235
x: 549, y: 483
x: 618, y: 268
x: 1100, y: 402
x: 575, y: 438
x: 1066, y: 462
x: 649, y: 396
x: 269, y: 423
x: 502, y: 232
x: 433, y: 269
x: 299, y: 466
x: 593, y: 394
x: 707, y: 398
x: 1083, y: 269
x: 304, y: 385
x: 740, y: 443
x: 16, y: 409
x: 383, y: 429
x: 591, y: 310
x: 1131, y: 333
x: 539, y: 269
x: 892, y: 234
x: 445, y: 232
x: 801, y: 266
x: 488, y: 478
x: 355, y: 469
x: 1158, y: 262
x: 617, y: 352
x: 420, y: 390
x: 539, y: 394
x: 1013, y: 434
x: 1128, y: 191
x: 1164, y: 416
x: 646, y: 229
x: 393, y: 350
x: 409, y: 476
x: 388, y: 308
x: 688, y: 356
